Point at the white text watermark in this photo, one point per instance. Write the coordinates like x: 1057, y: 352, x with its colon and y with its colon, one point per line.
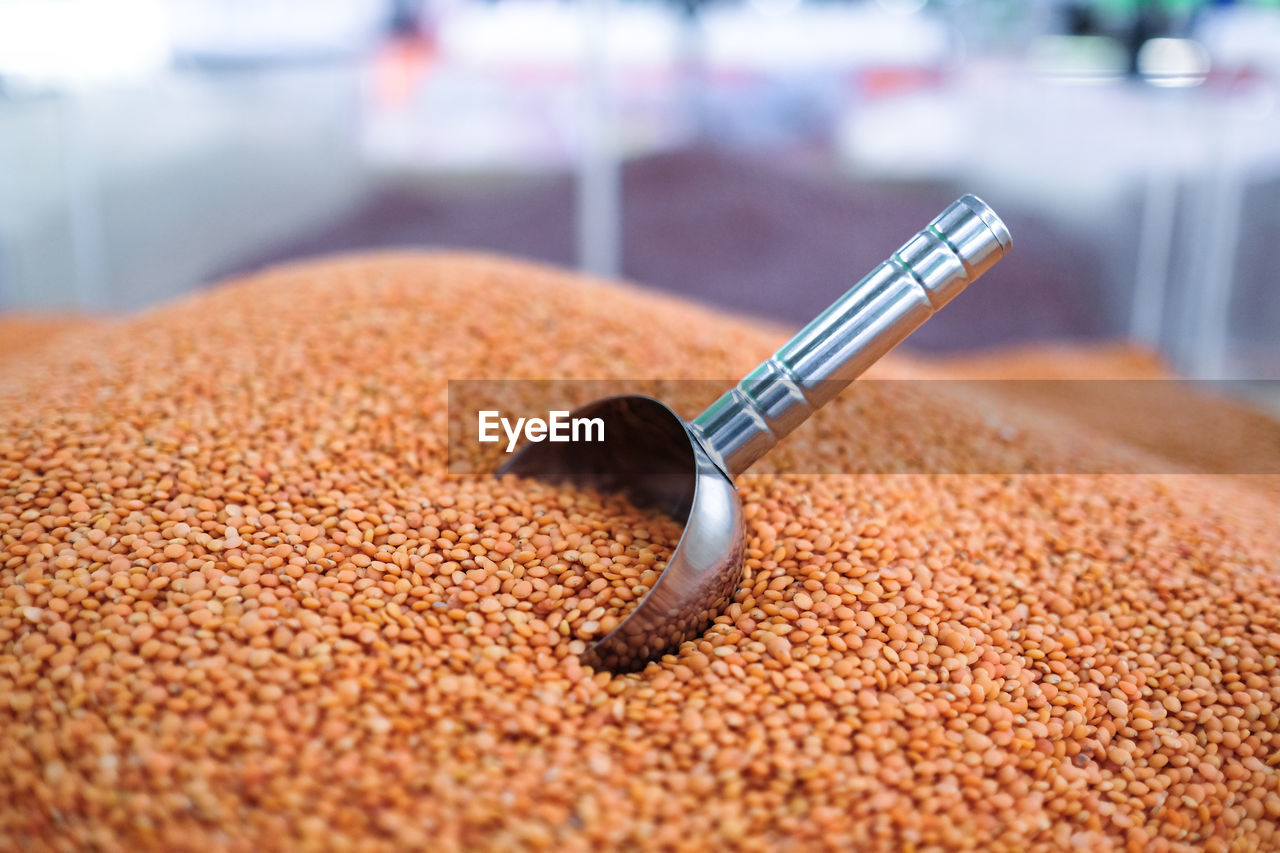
x: 557, y: 426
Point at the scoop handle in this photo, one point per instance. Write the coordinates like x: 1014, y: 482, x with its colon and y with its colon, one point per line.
x: 873, y: 317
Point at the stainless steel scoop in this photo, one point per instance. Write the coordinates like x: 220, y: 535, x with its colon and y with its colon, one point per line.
x: 687, y: 469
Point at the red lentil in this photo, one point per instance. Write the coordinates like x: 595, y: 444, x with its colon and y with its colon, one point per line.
x: 242, y: 606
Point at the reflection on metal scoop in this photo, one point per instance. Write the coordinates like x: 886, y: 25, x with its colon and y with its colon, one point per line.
x: 687, y: 468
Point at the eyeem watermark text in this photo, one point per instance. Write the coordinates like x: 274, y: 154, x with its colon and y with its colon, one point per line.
x: 557, y: 426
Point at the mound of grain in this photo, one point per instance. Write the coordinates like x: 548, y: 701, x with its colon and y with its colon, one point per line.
x: 21, y: 334
x: 243, y: 607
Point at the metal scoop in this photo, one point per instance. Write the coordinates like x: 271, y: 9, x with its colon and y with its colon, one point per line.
x: 687, y: 468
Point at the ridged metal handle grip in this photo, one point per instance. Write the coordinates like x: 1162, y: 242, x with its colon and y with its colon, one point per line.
x: 873, y: 317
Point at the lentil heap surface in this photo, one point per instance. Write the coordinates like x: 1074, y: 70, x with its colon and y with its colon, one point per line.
x: 244, y: 607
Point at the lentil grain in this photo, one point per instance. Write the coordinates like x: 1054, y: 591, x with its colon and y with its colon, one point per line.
x: 243, y: 607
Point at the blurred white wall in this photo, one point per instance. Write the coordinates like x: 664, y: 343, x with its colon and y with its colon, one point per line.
x: 143, y: 143
x: 120, y: 196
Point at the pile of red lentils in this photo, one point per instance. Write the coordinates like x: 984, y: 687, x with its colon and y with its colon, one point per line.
x: 243, y: 606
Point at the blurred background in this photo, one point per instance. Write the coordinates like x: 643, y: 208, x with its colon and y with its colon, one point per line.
x: 759, y: 155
